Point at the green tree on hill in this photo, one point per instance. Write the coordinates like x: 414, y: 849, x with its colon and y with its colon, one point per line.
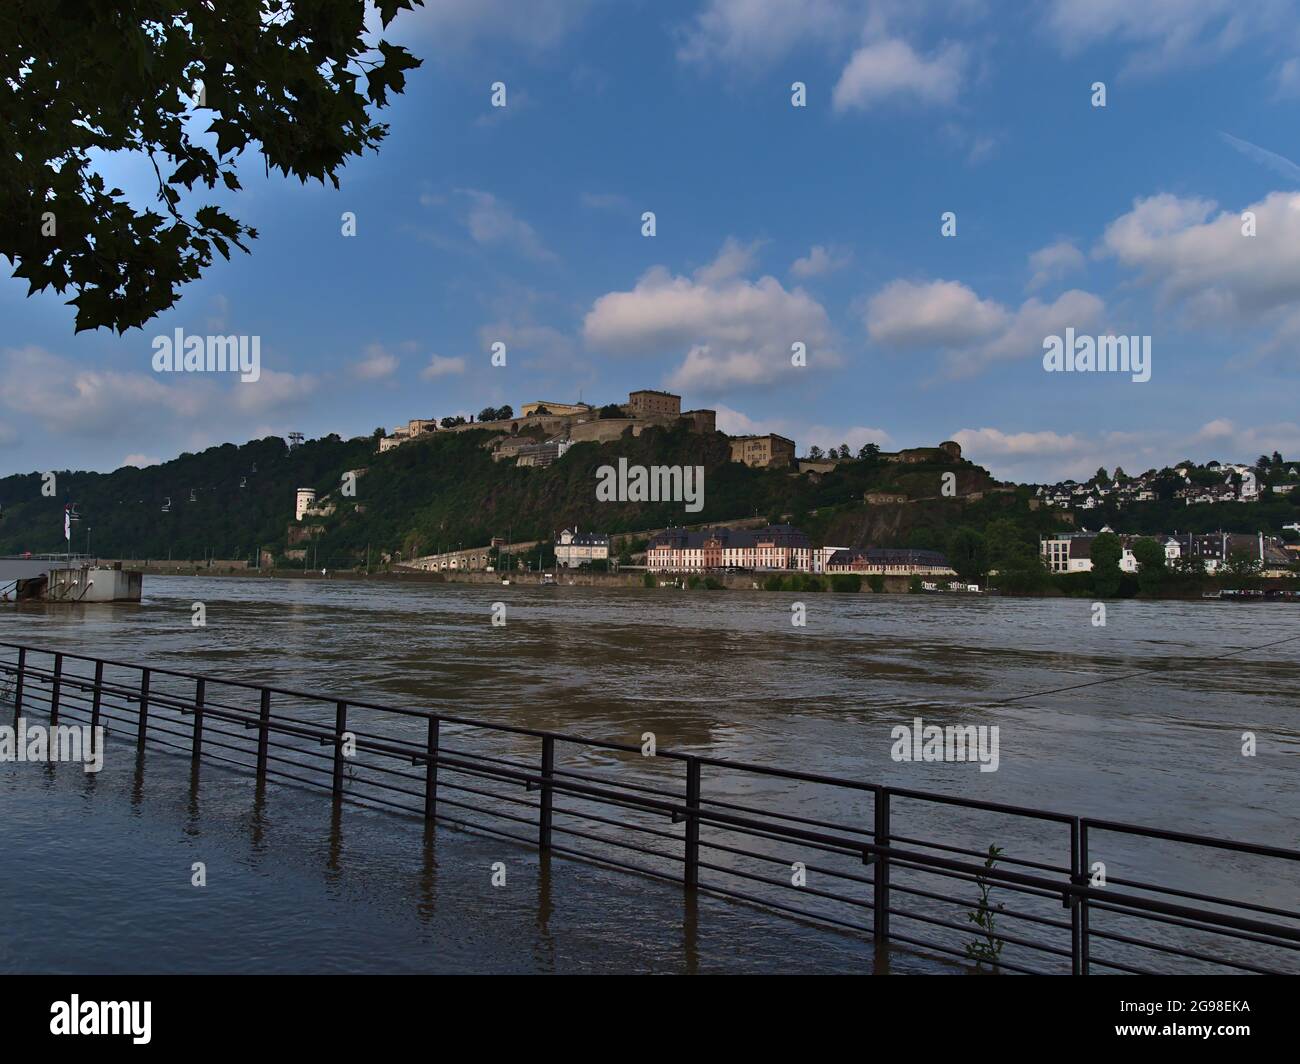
x: 967, y: 554
x: 1105, y: 553
x: 1150, y: 557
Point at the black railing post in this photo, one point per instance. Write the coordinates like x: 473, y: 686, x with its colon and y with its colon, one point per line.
x: 546, y: 805
x: 96, y: 698
x: 431, y: 771
x: 880, y: 892
x: 340, y: 726
x: 263, y: 732
x: 54, y: 691
x: 196, y: 746
x: 1076, y: 956
x: 692, y: 871
x: 18, y: 687
x: 1085, y: 874
x: 144, y: 706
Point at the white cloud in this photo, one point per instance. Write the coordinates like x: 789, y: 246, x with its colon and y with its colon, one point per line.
x: 69, y: 399
x: 1162, y: 33
x: 735, y: 423
x: 749, y: 38
x: 1053, y: 262
x: 908, y: 315
x: 972, y: 333
x: 442, y: 367
x: 732, y: 332
x: 889, y: 68
x: 731, y: 261
x: 714, y: 372
x: 492, y: 223
x: 376, y: 364
x: 1052, y: 456
x: 746, y: 34
x: 56, y: 397
x: 1218, y: 429
x: 140, y: 461
x: 1233, y: 442
x: 1201, y: 258
x: 274, y: 390
x: 979, y: 444
x: 820, y: 260
x: 1029, y: 325
x: 532, y: 346
x: 826, y: 436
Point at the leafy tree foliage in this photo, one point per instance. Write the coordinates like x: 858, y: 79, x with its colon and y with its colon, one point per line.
x: 294, y: 80
x: 967, y: 554
x: 1106, y: 552
x: 1152, y: 571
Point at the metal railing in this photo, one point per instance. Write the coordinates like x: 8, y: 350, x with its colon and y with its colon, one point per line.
x: 863, y: 857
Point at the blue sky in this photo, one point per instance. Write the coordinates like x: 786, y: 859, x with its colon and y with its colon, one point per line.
x: 775, y: 225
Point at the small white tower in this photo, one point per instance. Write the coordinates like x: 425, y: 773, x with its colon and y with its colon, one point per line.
x: 305, y: 500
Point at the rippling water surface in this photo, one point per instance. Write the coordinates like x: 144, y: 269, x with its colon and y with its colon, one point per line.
x: 721, y: 673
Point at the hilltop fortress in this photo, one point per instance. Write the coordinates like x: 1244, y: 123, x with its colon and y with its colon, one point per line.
x: 542, y: 431
x: 571, y: 422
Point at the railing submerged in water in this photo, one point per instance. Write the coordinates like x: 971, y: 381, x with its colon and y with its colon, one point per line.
x: 883, y: 871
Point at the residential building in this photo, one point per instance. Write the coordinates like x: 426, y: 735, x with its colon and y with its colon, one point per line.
x: 1071, y: 552
x: 821, y: 555
x: 884, y: 561
x: 574, y: 548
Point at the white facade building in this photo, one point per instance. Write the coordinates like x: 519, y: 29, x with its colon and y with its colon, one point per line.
x: 574, y: 548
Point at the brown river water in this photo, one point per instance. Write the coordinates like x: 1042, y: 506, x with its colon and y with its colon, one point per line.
x: 718, y: 673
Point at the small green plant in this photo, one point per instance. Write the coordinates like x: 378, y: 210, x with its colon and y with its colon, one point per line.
x: 914, y: 585
x: 988, y: 948
x: 843, y: 582
x: 772, y: 583
x: 647, y: 580
x: 877, y: 583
